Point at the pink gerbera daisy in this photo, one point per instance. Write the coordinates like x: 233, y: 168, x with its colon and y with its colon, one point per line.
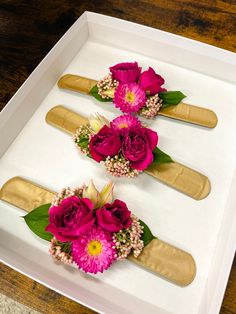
x: 129, y: 97
x: 124, y: 123
x: 93, y: 252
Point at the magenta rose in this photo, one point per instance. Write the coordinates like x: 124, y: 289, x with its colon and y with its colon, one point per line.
x: 137, y: 147
x: 114, y: 217
x: 151, y: 82
x: 105, y: 143
x: 73, y: 217
x: 126, y: 72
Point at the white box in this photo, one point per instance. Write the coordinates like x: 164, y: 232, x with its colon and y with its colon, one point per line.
x: 32, y: 149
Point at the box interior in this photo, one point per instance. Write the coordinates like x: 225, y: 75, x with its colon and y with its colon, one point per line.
x: 41, y: 153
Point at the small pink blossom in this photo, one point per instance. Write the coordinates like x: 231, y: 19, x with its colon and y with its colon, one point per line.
x: 114, y: 217
x: 125, y: 123
x: 71, y: 218
x: 126, y: 72
x: 105, y: 143
x: 137, y: 147
x: 94, y: 251
x: 151, y: 82
x: 129, y: 97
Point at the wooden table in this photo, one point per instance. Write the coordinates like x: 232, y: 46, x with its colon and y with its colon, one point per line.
x: 29, y: 29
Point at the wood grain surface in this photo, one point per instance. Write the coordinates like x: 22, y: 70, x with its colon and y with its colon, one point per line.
x: 29, y: 29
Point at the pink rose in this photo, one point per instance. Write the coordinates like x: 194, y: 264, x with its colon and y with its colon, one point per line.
x: 137, y: 147
x: 73, y: 217
x: 126, y: 72
x: 114, y: 217
x: 151, y: 82
x: 105, y: 143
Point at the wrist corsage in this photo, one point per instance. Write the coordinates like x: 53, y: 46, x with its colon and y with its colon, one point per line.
x: 89, y: 228
x: 124, y: 145
x: 126, y: 148
x: 134, y: 91
x: 93, y: 230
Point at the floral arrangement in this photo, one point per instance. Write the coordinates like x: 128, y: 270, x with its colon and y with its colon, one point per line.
x: 134, y: 91
x: 89, y: 228
x: 124, y: 145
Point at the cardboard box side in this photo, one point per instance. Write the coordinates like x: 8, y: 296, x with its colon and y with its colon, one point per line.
x: 221, y: 264
x: 167, y: 47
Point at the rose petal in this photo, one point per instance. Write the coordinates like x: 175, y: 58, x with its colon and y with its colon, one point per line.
x: 152, y: 137
x: 126, y: 72
x: 106, y: 221
x: 71, y: 218
x: 87, y: 203
x: 151, y: 81
x: 105, y: 143
x: 143, y: 164
x: 95, y: 155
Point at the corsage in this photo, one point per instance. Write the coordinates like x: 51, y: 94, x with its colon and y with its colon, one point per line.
x: 140, y: 92
x: 126, y: 148
x: 94, y: 231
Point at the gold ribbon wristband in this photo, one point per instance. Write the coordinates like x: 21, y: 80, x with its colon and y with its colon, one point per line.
x: 174, y: 174
x: 158, y: 256
x: 184, y: 112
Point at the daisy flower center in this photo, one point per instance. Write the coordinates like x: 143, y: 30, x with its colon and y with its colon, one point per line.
x: 94, y: 247
x: 123, y: 125
x: 130, y: 97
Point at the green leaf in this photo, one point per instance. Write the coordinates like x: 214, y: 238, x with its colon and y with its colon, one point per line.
x: 37, y: 220
x: 147, y: 235
x: 160, y: 157
x: 83, y: 142
x: 94, y: 92
x: 171, y: 98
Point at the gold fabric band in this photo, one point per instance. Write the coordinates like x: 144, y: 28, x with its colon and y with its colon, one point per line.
x: 181, y: 178
x: 76, y: 83
x: 25, y: 194
x: 167, y: 261
x: 176, y: 175
x: 64, y: 119
x: 192, y: 114
x: 184, y: 112
x: 159, y: 257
